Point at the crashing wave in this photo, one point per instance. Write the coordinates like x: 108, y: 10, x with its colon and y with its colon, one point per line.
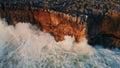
x: 25, y: 46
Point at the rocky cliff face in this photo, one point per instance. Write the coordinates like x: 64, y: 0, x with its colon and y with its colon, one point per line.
x: 111, y: 26
x: 60, y: 24
x: 101, y: 28
x: 111, y: 23
x: 56, y: 23
x: 107, y: 30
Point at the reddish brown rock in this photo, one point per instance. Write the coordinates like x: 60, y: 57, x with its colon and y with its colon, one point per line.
x: 101, y: 30
x: 56, y: 23
x: 14, y: 16
x: 111, y: 23
x: 1, y: 13
x: 111, y: 26
x: 104, y: 30
x: 60, y: 24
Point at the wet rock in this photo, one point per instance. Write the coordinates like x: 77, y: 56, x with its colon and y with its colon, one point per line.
x: 111, y: 26
x: 60, y: 24
x: 105, y: 31
x: 102, y: 28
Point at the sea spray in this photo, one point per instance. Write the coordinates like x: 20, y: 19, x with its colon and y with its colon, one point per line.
x: 25, y: 46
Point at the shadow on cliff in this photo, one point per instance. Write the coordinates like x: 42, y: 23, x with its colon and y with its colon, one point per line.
x: 93, y: 29
x: 104, y: 29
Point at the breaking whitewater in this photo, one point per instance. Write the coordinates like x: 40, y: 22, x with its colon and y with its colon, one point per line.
x: 25, y: 46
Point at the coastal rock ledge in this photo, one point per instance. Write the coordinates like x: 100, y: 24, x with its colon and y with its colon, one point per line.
x: 59, y: 24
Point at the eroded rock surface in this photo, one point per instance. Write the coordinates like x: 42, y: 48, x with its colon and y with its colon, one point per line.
x: 102, y: 28
x: 56, y: 23
x: 105, y: 30
x: 60, y: 24
x: 111, y: 26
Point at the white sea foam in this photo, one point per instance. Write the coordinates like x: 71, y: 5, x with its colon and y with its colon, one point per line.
x: 24, y: 46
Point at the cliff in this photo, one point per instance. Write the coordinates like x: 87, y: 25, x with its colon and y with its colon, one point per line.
x: 100, y: 23
x: 60, y: 24
x: 106, y: 31
x: 111, y: 26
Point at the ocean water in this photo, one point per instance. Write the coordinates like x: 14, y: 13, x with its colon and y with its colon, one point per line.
x: 25, y: 46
